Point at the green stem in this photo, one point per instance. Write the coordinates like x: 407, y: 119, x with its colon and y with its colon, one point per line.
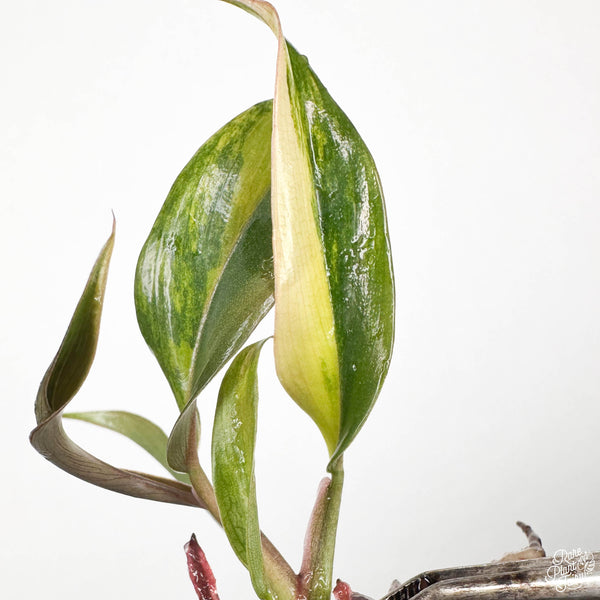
x: 204, y: 489
x: 279, y: 574
x: 315, y: 579
x: 281, y: 577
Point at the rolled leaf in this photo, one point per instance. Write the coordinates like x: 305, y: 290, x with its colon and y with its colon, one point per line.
x: 138, y: 429
x: 199, y: 570
x: 334, y: 315
x: 233, y: 442
x: 182, y: 448
x: 204, y: 277
x: 61, y: 382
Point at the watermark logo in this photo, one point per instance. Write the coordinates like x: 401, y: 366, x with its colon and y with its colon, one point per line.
x: 569, y: 568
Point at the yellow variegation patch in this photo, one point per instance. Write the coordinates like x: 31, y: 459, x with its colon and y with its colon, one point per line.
x: 333, y: 278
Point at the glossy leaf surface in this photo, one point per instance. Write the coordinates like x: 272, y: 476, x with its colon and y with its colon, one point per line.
x: 138, y: 429
x: 354, y: 241
x: 233, y: 442
x: 334, y: 316
x: 204, y: 277
x: 61, y: 382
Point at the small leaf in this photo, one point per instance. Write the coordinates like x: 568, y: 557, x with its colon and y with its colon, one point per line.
x: 61, y: 382
x: 138, y: 429
x: 200, y: 572
x: 233, y: 441
x: 204, y: 277
x: 182, y: 448
x: 334, y: 315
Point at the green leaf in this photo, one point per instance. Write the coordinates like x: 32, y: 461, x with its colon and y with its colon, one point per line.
x: 138, y: 429
x: 182, y: 449
x: 204, y: 278
x: 61, y: 382
x: 334, y: 315
x: 233, y: 441
x: 352, y: 229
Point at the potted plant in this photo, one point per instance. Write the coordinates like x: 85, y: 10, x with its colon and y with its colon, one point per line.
x: 282, y: 206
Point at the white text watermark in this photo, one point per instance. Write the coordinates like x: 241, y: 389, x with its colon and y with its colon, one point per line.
x: 569, y: 568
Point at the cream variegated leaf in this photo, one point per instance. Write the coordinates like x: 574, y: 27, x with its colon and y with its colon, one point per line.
x: 204, y: 276
x: 334, y: 312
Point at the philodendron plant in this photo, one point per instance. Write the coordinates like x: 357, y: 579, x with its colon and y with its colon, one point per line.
x: 282, y: 208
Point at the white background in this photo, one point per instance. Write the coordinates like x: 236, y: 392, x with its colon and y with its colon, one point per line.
x: 483, y: 118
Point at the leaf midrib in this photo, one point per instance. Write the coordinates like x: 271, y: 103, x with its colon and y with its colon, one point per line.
x: 189, y: 388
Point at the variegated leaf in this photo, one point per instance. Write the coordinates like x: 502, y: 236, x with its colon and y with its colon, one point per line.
x: 204, y: 277
x: 334, y: 315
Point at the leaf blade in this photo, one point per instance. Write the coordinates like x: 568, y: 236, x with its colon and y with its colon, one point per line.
x: 62, y: 380
x: 138, y: 429
x: 355, y: 241
x: 334, y: 316
x: 233, y: 442
x: 219, y: 203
